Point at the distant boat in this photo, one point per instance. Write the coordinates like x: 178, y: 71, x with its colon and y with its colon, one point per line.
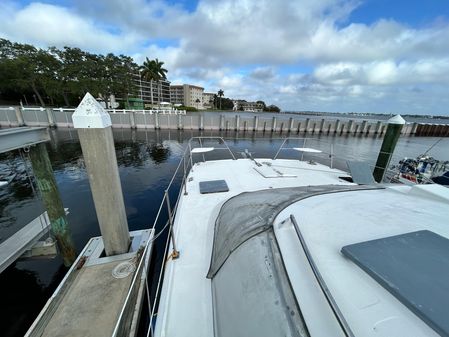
x: 423, y: 169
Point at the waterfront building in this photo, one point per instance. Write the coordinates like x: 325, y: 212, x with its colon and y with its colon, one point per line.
x: 152, y: 93
x: 187, y: 95
x: 208, y: 100
x: 249, y: 106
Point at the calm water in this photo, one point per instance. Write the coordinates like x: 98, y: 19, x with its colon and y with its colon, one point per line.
x: 147, y: 160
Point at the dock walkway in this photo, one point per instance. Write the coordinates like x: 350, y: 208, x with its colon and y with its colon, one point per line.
x: 23, y: 240
x: 100, y: 295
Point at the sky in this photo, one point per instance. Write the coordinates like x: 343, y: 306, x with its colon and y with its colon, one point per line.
x: 379, y: 56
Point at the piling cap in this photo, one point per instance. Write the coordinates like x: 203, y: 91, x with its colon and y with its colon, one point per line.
x: 90, y: 115
x: 396, y: 120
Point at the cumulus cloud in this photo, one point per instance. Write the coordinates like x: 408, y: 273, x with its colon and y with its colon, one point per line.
x: 263, y: 73
x: 49, y: 25
x: 245, y: 47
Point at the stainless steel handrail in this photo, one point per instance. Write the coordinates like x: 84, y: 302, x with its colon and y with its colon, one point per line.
x: 333, y: 304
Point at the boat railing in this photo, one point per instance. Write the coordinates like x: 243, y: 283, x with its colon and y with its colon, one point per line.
x: 141, y: 275
x: 326, y: 151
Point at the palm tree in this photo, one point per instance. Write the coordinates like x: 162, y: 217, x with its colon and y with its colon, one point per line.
x: 162, y: 75
x: 152, y: 70
x: 220, y: 94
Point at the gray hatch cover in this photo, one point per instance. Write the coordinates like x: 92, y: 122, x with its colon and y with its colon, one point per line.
x: 213, y: 186
x: 414, y: 267
x: 361, y: 173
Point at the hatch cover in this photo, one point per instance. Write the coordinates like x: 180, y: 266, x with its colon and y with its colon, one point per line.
x: 213, y: 186
x: 414, y: 267
x: 361, y: 173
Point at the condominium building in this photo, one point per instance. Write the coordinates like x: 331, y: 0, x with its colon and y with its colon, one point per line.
x: 208, y: 100
x: 249, y: 106
x: 187, y: 95
x: 177, y: 94
x: 152, y: 92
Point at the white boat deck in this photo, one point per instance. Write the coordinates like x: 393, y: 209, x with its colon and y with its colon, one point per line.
x: 186, y: 310
x: 328, y: 225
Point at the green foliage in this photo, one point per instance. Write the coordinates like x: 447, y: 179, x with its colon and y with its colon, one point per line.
x: 187, y: 108
x: 272, y: 108
x: 55, y: 76
x: 152, y: 70
x: 220, y: 95
x: 223, y: 103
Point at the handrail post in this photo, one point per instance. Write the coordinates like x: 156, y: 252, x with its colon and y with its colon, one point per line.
x: 280, y: 148
x: 332, y: 155
x: 185, y: 174
x: 304, y: 145
x: 175, y: 252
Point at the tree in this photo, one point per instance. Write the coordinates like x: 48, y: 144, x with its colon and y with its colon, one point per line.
x: 220, y: 95
x: 272, y: 108
x: 262, y: 104
x: 55, y: 74
x: 152, y: 70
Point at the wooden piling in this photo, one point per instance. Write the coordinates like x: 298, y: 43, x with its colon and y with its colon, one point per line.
x: 46, y: 184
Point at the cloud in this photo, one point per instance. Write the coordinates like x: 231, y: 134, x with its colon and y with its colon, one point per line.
x: 386, y: 72
x: 249, y: 48
x: 263, y: 73
x: 50, y: 25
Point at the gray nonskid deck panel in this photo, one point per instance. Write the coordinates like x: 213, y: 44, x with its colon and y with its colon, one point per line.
x: 414, y: 267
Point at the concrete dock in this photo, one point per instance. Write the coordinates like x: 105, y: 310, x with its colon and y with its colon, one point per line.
x: 100, y: 294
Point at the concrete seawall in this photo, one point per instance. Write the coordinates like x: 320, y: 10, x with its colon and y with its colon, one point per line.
x: 11, y: 117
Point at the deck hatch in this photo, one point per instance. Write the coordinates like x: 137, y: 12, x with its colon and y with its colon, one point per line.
x: 413, y: 267
x: 361, y: 173
x: 213, y: 186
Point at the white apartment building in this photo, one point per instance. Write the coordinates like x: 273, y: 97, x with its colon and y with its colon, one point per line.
x: 187, y: 95
x: 152, y: 93
x: 208, y: 100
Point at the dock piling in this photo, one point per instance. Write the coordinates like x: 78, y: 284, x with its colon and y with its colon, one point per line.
x: 322, y: 125
x: 97, y: 143
x: 256, y: 123
x: 156, y: 121
x: 290, y: 124
x: 395, y: 125
x: 46, y: 184
x: 306, y: 126
x: 50, y: 117
x: 19, y: 116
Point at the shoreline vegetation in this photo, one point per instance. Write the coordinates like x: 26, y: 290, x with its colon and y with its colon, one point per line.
x: 61, y: 77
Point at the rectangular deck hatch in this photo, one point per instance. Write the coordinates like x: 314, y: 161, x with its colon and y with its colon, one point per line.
x: 213, y: 186
x: 413, y: 267
x: 361, y: 173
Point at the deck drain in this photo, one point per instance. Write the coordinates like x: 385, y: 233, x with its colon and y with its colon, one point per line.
x: 123, y: 269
